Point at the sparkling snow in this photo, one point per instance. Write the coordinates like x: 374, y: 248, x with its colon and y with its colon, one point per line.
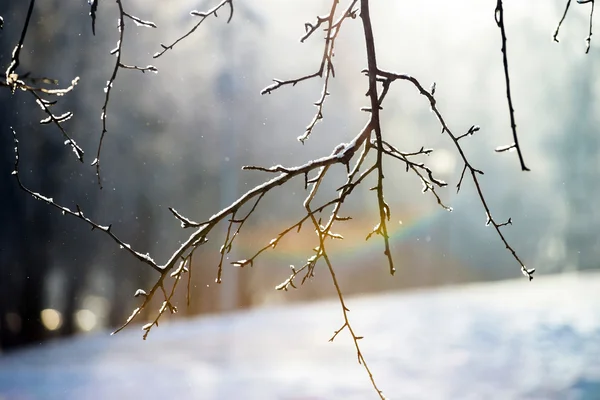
x: 507, y: 340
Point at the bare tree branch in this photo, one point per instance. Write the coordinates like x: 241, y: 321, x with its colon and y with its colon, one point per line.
x: 326, y: 67
x: 562, y: 19
x: 11, y: 76
x: 588, y: 40
x: 467, y: 165
x: 93, y: 10
x: 117, y: 52
x: 499, y: 16
x: 203, y: 15
x: 107, y: 229
x: 384, y: 210
x: 15, y: 81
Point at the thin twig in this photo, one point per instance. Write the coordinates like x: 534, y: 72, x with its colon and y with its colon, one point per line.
x: 467, y: 165
x: 555, y: 36
x: 203, y: 15
x: 58, y: 120
x: 107, y: 229
x: 118, y: 52
x: 588, y: 40
x: 326, y: 65
x: 11, y: 76
x: 499, y: 16
x: 384, y: 212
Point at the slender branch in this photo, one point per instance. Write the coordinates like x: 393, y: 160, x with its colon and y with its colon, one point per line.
x: 355, y: 337
x: 384, y: 213
x: 228, y: 242
x: 14, y: 81
x: 562, y: 19
x: 326, y: 65
x: 430, y: 183
x: 325, y: 232
x: 467, y: 165
x: 293, y: 82
x: 189, y: 282
x: 203, y: 15
x: 499, y: 16
x: 588, y: 40
x: 167, y: 303
x: 11, y: 76
x: 149, y: 68
x: 93, y: 10
x: 107, y: 229
x: 118, y: 52
x: 58, y: 120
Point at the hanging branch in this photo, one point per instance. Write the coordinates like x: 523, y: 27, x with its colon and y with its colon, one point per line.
x: 203, y: 15
x: 118, y: 52
x: 474, y: 172
x: 588, y: 39
x: 562, y: 19
x: 499, y: 16
x: 384, y: 209
x: 93, y: 10
x: 14, y: 81
x: 326, y: 66
x: 78, y: 213
x: 11, y: 75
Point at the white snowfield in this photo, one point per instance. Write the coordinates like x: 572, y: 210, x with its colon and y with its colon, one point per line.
x: 507, y: 340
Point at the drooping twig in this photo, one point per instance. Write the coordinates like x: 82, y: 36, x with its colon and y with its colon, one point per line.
x: 323, y: 233
x: 562, y: 19
x: 588, y: 40
x: 203, y: 15
x: 326, y: 66
x: 57, y: 120
x: 474, y: 172
x: 499, y: 16
x: 11, y: 76
x: 229, y: 237
x: 430, y: 183
x: 93, y: 10
x: 118, y: 52
x: 78, y: 213
x: 15, y: 81
x: 384, y: 210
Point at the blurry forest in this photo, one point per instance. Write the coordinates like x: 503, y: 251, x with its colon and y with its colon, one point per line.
x: 178, y: 139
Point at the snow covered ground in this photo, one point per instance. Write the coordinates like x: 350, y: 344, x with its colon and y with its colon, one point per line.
x: 507, y: 340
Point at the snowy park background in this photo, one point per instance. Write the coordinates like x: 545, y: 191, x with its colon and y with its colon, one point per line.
x: 179, y: 139
x: 507, y: 340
